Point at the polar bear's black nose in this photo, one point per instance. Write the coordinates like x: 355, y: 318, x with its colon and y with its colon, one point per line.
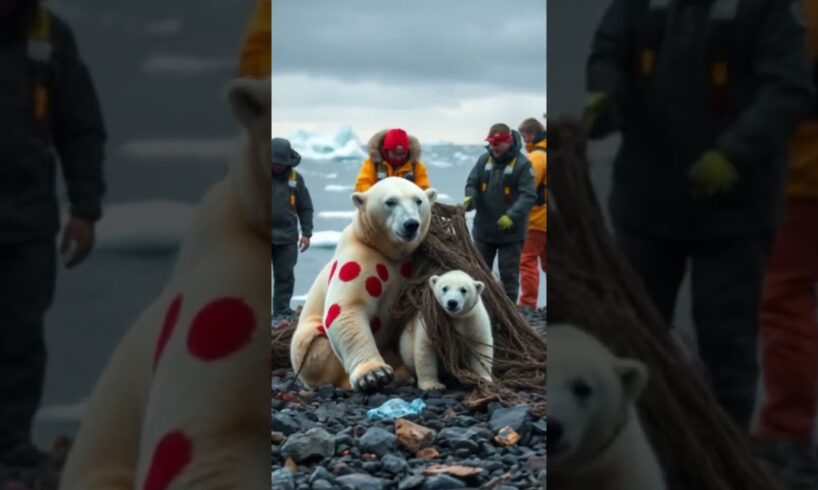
x: 411, y: 226
x: 452, y: 304
x: 554, y: 435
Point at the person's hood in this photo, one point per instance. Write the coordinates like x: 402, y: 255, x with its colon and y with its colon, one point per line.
x: 375, y: 142
x: 282, y: 152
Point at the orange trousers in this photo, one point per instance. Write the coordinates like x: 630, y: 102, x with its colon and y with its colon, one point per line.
x: 789, y: 332
x: 533, y: 249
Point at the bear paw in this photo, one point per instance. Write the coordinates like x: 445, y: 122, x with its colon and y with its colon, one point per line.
x: 371, y: 376
x: 431, y: 386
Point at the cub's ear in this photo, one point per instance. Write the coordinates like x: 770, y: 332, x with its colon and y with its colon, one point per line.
x: 634, y: 377
x: 433, y: 280
x: 479, y: 287
x: 431, y: 194
x: 358, y: 199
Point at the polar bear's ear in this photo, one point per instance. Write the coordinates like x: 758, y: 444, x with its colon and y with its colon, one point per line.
x: 433, y: 280
x: 479, y: 287
x: 634, y: 377
x: 249, y: 99
x: 358, y: 199
x: 431, y: 194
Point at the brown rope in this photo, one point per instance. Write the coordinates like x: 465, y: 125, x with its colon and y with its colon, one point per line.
x: 593, y: 287
x: 519, y: 350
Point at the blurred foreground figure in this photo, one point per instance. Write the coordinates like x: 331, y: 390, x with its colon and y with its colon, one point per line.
x: 705, y: 93
x: 789, y: 330
x: 48, y: 112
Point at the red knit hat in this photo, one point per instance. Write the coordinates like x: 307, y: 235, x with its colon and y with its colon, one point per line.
x: 394, y: 138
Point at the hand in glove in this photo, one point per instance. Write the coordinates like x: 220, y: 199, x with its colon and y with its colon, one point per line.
x: 505, y: 222
x: 596, y: 104
x: 467, y: 202
x: 713, y: 174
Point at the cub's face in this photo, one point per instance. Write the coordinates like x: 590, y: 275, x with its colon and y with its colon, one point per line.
x: 590, y: 394
x: 456, y: 292
x: 398, y: 210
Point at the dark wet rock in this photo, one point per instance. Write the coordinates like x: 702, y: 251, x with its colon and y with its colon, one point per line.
x: 285, y: 424
x: 303, y: 446
x: 394, y: 465
x: 412, y: 482
x: 359, y: 481
x: 441, y: 482
x: 282, y: 479
x: 518, y: 418
x: 378, y: 441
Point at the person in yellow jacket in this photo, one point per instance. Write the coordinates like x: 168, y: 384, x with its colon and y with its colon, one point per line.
x: 788, y: 326
x: 255, y: 58
x: 392, y: 153
x: 533, y: 133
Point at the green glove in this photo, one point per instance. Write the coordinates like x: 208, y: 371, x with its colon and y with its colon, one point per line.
x: 596, y: 104
x: 467, y: 202
x: 713, y: 174
x: 505, y: 222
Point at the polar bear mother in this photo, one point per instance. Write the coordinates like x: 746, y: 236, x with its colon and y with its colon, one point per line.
x: 345, y: 334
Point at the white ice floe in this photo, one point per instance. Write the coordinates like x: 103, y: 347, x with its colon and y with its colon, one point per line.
x: 344, y: 144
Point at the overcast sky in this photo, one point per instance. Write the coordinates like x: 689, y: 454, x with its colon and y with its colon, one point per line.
x: 442, y: 69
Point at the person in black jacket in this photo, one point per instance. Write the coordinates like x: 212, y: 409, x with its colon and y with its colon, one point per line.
x: 49, y: 113
x: 705, y: 94
x: 291, y: 205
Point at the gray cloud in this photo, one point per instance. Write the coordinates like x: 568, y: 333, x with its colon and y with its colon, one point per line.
x: 489, y: 43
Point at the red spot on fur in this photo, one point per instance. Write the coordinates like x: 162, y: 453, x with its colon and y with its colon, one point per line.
x: 373, y: 286
x: 168, y: 324
x: 375, y: 324
x: 170, y: 457
x: 321, y: 330
x: 332, y: 314
x: 221, y: 328
x: 332, y: 271
x: 383, y: 272
x: 349, y: 271
x: 406, y: 270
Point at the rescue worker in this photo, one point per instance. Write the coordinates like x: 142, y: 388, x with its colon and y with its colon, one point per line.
x: 291, y: 206
x: 49, y: 112
x: 789, y: 329
x: 705, y: 93
x: 392, y: 153
x: 255, y: 57
x: 500, y: 188
x: 533, y: 134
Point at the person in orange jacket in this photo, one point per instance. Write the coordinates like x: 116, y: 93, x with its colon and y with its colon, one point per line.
x: 533, y: 133
x: 788, y: 324
x: 255, y: 57
x: 392, y: 153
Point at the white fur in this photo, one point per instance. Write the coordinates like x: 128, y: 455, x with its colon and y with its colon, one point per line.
x: 378, y: 235
x: 596, y: 439
x: 460, y: 296
x: 220, y: 405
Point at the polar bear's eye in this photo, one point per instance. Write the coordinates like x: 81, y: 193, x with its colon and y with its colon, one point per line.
x: 463, y: 290
x: 581, y: 388
x: 418, y: 202
x: 391, y: 203
x: 445, y: 289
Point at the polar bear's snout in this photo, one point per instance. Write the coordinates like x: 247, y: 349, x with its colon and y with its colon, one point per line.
x: 410, y: 228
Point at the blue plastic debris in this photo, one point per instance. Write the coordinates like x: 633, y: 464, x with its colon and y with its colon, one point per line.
x: 396, y: 408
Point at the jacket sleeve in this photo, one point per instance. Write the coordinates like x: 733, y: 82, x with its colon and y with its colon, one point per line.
x: 784, y: 93
x: 473, y: 181
x: 366, y: 176
x: 78, y: 128
x: 304, y: 208
x: 608, y: 60
x: 422, y: 176
x: 526, y: 193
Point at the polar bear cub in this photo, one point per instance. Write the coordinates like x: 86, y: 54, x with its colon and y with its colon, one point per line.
x: 460, y: 297
x: 595, y: 437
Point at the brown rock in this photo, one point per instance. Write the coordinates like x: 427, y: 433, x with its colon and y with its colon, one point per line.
x: 536, y: 463
x: 277, y: 437
x: 427, y: 453
x: 291, y: 465
x: 369, y: 457
x: 506, y: 437
x: 449, y: 413
x: 414, y: 437
x: 457, y: 470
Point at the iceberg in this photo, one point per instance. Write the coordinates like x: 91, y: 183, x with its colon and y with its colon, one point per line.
x: 344, y: 144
